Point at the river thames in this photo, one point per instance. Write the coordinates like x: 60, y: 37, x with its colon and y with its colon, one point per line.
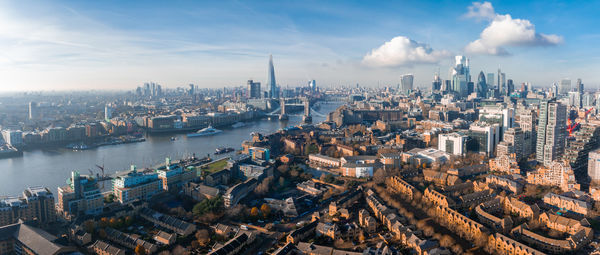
x: 51, y: 168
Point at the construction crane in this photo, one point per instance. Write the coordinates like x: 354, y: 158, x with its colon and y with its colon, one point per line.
x: 574, y: 126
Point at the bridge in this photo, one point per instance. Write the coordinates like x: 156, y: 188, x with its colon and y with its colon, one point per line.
x: 282, y: 111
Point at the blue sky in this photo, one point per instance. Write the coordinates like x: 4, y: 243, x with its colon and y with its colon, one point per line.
x: 56, y: 45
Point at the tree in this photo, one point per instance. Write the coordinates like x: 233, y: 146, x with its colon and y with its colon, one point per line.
x: 379, y: 176
x: 254, y: 212
x: 104, y: 222
x: 102, y: 233
x: 140, y: 250
x: 264, y: 186
x: 89, y: 226
x: 265, y: 210
x: 128, y: 221
x: 208, y: 205
x: 203, y: 237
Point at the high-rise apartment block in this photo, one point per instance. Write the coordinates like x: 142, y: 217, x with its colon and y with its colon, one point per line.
x: 36, y: 204
x: 81, y: 196
x: 552, y: 131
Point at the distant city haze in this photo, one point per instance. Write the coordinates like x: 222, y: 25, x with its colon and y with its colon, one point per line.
x: 65, y: 45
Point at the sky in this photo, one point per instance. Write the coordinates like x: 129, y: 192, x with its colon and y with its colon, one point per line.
x: 82, y: 45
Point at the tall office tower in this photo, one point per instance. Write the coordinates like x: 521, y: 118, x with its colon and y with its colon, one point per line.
x: 436, y: 84
x: 490, y: 81
x: 552, y: 131
x: 510, y: 87
x: 191, y: 91
x: 447, y: 86
x: 253, y: 90
x: 406, y: 82
x: 34, y: 111
x: 312, y: 85
x: 564, y: 87
x: 107, y: 112
x: 461, y: 76
x: 481, y: 85
x: 594, y: 166
x: 554, y: 90
x: 579, y: 86
x: 159, y: 91
x: 147, y: 91
x: 501, y: 83
x: 271, y: 80
x: 153, y: 89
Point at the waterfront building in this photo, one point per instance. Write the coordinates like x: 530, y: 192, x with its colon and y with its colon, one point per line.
x: 552, y: 131
x: 36, y: 204
x: 173, y: 176
x: 453, y: 143
x: 82, y: 196
x: 136, y: 185
x: 13, y: 137
x: 259, y: 153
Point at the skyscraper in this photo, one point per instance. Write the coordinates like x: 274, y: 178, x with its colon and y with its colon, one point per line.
x: 490, y: 80
x: 461, y: 76
x: 34, y: 111
x: 312, y: 85
x: 564, y: 87
x: 579, y: 86
x: 253, y: 90
x: 510, y: 87
x: 437, y: 83
x: 594, y: 166
x: 551, y: 131
x: 271, y: 80
x: 107, y: 112
x: 501, y: 82
x: 481, y: 85
x: 406, y: 82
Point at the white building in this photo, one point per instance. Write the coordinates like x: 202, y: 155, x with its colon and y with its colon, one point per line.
x: 594, y: 165
x: 453, y: 143
x: 13, y: 137
x: 486, y: 136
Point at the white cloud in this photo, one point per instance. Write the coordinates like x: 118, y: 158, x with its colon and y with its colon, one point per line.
x: 402, y: 51
x: 481, y: 10
x: 504, y: 31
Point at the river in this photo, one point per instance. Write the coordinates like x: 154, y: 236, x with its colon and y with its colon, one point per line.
x: 51, y: 168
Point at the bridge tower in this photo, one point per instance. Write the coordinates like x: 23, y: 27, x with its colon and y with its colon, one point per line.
x: 283, y: 115
x: 307, y: 118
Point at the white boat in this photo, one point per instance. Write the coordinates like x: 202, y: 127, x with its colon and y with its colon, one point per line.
x: 238, y: 125
x: 205, y: 132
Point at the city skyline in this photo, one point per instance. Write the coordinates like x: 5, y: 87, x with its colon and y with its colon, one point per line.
x: 79, y: 46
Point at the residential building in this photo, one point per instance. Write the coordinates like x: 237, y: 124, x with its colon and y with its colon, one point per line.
x: 551, y: 131
x: 36, y: 204
x: 567, y: 203
x: 557, y: 174
x: 20, y: 238
x: 82, y: 196
x: 174, y: 176
x: 136, y: 185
